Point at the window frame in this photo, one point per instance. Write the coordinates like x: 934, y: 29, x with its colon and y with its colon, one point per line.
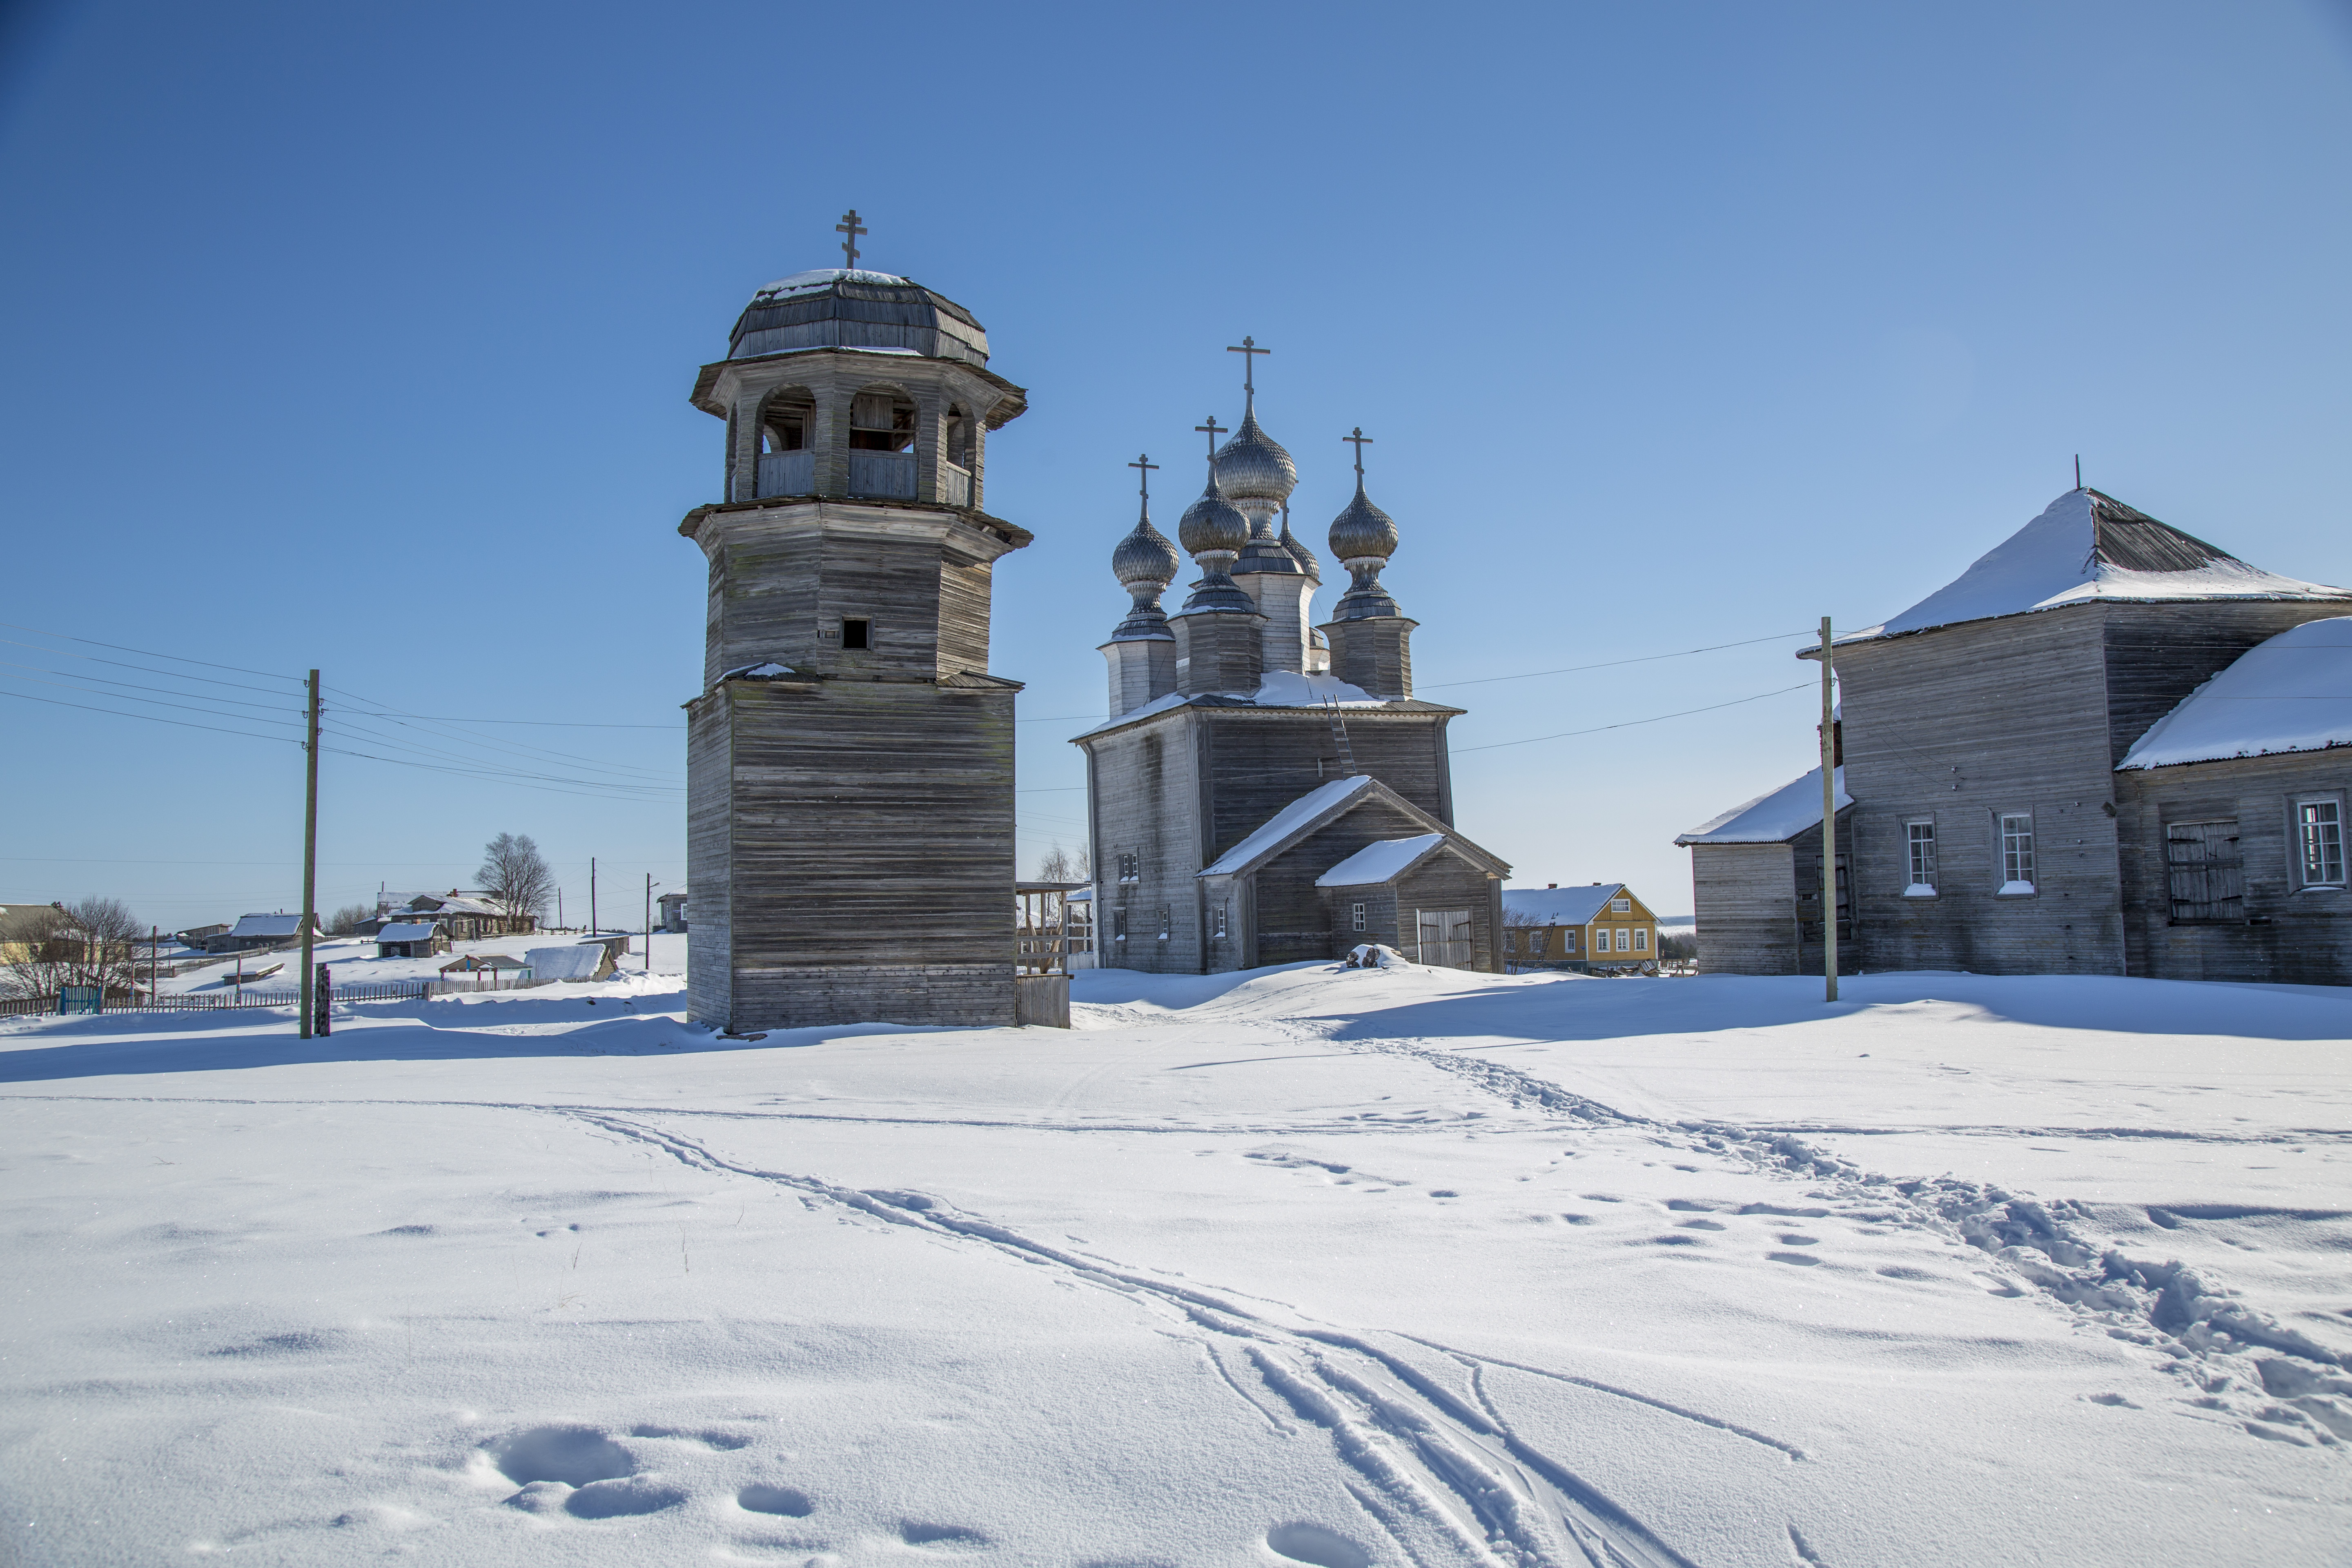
x: 1621, y: 906
x: 1624, y: 939
x: 2301, y: 861
x: 2008, y: 860
x: 1537, y: 942
x: 1918, y: 886
x: 865, y: 642
x: 1640, y: 939
x: 1511, y: 941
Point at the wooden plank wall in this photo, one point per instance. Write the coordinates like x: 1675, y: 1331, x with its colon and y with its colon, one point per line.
x: 1293, y: 916
x: 1144, y: 801
x: 2288, y: 934
x: 710, y: 987
x: 1447, y: 881
x: 1959, y: 724
x: 1745, y: 897
x: 872, y: 854
x: 1262, y: 759
x: 2158, y: 654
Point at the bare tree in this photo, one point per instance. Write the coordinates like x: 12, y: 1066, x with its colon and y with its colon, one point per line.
x: 1058, y: 865
x: 515, y: 874
x: 348, y: 919
x: 93, y: 941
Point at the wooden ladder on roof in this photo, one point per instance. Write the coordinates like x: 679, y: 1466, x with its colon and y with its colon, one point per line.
x: 1339, y: 734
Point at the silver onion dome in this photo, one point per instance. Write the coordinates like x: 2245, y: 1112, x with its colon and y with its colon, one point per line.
x: 1212, y: 525
x: 1363, y: 532
x: 1145, y: 556
x: 1297, y: 548
x: 1253, y: 467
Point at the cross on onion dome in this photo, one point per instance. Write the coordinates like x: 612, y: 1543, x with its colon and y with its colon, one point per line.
x: 1143, y: 461
x: 1360, y: 441
x: 1214, y: 430
x: 852, y: 228
x: 1249, y: 351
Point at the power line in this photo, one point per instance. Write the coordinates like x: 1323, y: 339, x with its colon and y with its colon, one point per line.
x: 1613, y: 663
x: 394, y: 741
x: 151, y: 717
x: 120, y: 664
x: 150, y: 653
x: 398, y: 716
x: 135, y: 686
x: 1629, y: 724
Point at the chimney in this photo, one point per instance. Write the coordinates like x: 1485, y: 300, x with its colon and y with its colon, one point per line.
x: 1551, y: 884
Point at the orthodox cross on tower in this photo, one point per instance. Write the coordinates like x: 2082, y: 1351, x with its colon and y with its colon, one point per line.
x: 1143, y: 461
x: 1360, y: 441
x: 1214, y: 430
x: 850, y: 227
x: 1249, y: 351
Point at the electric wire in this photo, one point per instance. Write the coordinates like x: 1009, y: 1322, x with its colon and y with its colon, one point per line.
x: 135, y: 686
x: 360, y: 731
x: 150, y: 653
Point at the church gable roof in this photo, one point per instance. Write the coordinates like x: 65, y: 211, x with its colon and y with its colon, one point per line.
x: 1381, y: 860
x: 2088, y: 546
x: 2293, y: 693
x: 1324, y: 805
x: 1773, y: 817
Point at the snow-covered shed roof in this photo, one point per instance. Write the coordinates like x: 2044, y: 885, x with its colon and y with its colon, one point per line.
x: 1383, y: 861
x: 580, y: 962
x: 2088, y: 546
x: 455, y: 904
x: 1561, y: 906
x: 2293, y: 693
x: 270, y: 925
x: 1774, y: 817
x: 1275, y: 689
x: 407, y: 931
x: 1309, y: 810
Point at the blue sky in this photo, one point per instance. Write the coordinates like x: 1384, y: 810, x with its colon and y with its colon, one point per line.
x: 361, y: 338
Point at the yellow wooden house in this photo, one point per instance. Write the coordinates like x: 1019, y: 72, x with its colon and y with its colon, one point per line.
x: 1599, y: 928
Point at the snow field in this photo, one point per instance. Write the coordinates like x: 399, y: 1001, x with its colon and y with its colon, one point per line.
x: 1337, y: 1267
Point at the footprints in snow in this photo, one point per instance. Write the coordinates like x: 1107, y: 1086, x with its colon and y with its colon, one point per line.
x: 1312, y: 1544
x: 581, y: 1471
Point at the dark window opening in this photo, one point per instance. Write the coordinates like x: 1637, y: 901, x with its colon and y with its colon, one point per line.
x: 880, y: 422
x: 854, y: 634
x: 958, y: 433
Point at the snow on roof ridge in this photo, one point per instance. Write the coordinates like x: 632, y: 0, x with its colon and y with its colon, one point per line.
x: 2290, y: 693
x: 1773, y: 817
x: 1572, y: 906
x: 1381, y: 860
x: 825, y: 278
x: 2064, y: 556
x: 1286, y: 821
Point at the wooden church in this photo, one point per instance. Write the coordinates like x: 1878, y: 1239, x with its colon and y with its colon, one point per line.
x: 849, y: 763
x: 1266, y: 790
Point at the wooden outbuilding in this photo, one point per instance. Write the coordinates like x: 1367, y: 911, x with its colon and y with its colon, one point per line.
x: 411, y: 939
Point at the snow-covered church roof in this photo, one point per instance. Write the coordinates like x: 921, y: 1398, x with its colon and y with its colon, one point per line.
x: 2293, y: 693
x: 2088, y: 546
x: 1773, y: 817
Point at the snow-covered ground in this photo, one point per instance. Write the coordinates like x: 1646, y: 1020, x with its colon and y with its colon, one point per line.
x: 353, y: 962
x: 1308, y: 1266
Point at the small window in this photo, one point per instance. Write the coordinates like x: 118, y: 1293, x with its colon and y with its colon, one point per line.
x: 1119, y: 925
x: 2017, y: 852
x: 855, y: 633
x: 1165, y: 923
x: 1640, y: 939
x: 2319, y: 841
x: 880, y: 422
x: 1536, y: 943
x: 1621, y: 906
x: 1568, y: 940
x: 1130, y: 865
x: 1221, y: 911
x: 959, y: 435
x: 1624, y: 939
x: 1510, y: 941
x: 1358, y: 911
x: 1922, y: 848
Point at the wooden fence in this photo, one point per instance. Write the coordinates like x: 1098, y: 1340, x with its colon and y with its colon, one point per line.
x: 201, y: 1002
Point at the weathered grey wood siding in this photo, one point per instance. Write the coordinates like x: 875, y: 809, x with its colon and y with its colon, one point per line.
x: 1262, y: 759
x: 1293, y: 916
x: 1958, y: 725
x: 1145, y: 801
x: 710, y: 797
x: 1746, y: 899
x: 1805, y: 870
x: 872, y: 854
x: 2158, y: 654
x: 2289, y: 933
x: 1447, y: 881
x: 1381, y: 922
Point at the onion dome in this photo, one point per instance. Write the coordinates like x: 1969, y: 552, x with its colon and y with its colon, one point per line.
x: 1363, y: 532
x: 1145, y: 556
x: 1253, y: 467
x: 1212, y: 525
x: 1363, y: 537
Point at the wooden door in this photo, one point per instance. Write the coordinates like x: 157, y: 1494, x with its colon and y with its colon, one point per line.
x: 2209, y: 880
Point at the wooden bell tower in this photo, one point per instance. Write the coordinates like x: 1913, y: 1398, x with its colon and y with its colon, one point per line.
x: 849, y: 765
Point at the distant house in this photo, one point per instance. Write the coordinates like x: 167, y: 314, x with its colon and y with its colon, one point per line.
x: 411, y: 939
x: 254, y: 933
x: 673, y: 910
x: 2108, y: 747
x: 466, y: 917
x: 194, y: 937
x: 1599, y: 928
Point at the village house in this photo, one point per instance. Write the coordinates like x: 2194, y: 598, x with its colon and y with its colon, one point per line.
x: 411, y: 939
x: 2092, y: 752
x: 462, y: 916
x: 1266, y: 790
x: 255, y: 933
x: 1597, y: 929
x: 670, y: 911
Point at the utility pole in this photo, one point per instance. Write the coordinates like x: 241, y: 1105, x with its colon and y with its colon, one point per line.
x: 1829, y: 820
x: 593, y: 927
x: 310, y: 855
x: 649, y: 922
x: 559, y: 909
